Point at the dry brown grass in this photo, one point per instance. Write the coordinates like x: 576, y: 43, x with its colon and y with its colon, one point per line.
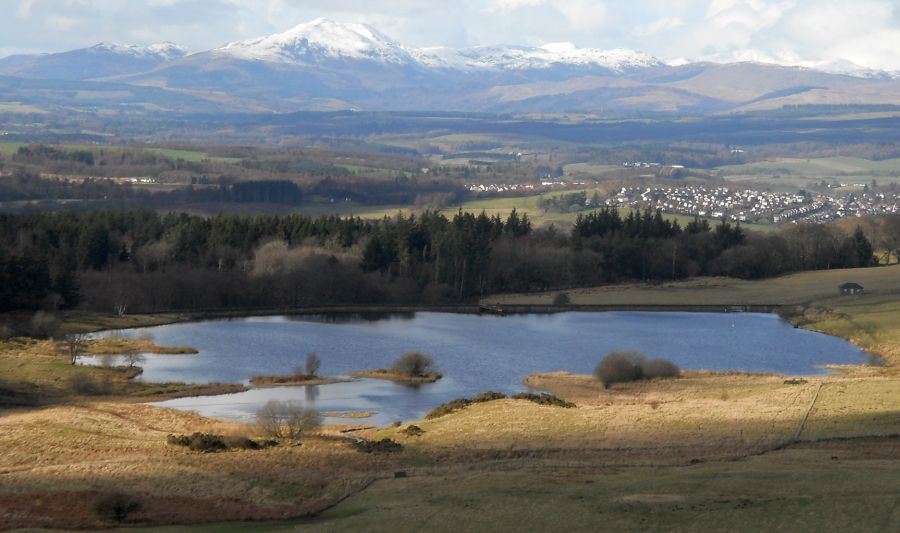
x: 66, y: 454
x: 710, y: 415
x: 119, y: 346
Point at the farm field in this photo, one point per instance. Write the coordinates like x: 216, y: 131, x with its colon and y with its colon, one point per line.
x: 8, y: 149
x: 792, y: 289
x: 800, y: 172
x: 193, y: 156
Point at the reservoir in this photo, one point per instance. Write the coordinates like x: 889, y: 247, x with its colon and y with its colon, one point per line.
x: 475, y: 353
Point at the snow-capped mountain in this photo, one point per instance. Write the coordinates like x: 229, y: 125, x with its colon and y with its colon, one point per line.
x: 99, y: 61
x: 162, y: 52
x: 326, y: 65
x: 556, y: 54
x: 324, y: 39
x: 321, y: 39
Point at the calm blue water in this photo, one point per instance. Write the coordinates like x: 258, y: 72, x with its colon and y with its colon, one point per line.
x: 475, y: 353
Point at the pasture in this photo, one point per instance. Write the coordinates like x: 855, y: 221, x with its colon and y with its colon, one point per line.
x: 798, y: 173
x: 792, y: 289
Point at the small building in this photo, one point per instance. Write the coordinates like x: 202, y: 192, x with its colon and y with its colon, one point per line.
x: 851, y: 288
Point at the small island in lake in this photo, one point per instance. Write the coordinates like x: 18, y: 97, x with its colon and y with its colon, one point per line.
x: 411, y: 367
x: 305, y: 375
x: 293, y: 379
x: 382, y: 373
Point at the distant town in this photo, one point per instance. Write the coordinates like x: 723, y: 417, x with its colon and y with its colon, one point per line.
x: 741, y: 205
x: 748, y: 205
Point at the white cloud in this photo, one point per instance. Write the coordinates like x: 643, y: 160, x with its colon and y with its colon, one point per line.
x: 659, y: 25
x: 865, y: 32
x: 24, y: 8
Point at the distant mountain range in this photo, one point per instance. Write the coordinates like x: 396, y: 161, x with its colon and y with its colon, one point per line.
x: 325, y: 65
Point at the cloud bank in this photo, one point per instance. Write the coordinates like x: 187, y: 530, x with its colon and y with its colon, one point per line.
x: 800, y: 32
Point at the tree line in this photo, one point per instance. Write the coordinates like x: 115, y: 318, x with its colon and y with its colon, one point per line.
x: 141, y: 261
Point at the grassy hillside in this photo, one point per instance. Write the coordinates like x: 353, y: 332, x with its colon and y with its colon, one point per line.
x: 800, y: 172
x: 802, y: 288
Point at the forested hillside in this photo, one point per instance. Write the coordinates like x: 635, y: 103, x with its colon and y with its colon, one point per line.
x: 143, y: 262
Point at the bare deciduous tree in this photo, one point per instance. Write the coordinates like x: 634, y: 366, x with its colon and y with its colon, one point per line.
x: 133, y: 358
x: 286, y: 419
x: 75, y: 345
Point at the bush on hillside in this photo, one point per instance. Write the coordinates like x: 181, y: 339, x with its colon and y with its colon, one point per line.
x: 543, y: 399
x: 199, y: 442
x: 562, y: 298
x: 377, y: 446
x: 116, y: 506
x: 449, y: 407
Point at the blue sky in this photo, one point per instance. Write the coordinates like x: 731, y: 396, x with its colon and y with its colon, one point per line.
x: 807, y: 32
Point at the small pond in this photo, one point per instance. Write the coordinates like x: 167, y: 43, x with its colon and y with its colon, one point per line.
x: 475, y: 353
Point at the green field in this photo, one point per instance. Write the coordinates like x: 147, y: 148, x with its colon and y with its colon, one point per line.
x: 193, y: 156
x: 801, y: 288
x: 8, y: 149
x: 800, y: 172
x: 589, y: 168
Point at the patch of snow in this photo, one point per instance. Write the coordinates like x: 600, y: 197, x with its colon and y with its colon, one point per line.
x: 159, y: 51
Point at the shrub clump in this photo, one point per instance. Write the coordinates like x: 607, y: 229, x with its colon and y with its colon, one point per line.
x: 488, y: 396
x: 631, y: 365
x: 544, y: 399
x: 562, y: 298
x: 377, y: 446
x: 413, y: 431
x: 116, y: 506
x: 661, y: 368
x: 449, y: 407
x: 461, y: 403
x: 199, y: 442
x: 413, y: 364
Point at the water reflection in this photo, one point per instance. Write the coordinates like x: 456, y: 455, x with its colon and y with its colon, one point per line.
x: 312, y: 392
x: 350, y: 318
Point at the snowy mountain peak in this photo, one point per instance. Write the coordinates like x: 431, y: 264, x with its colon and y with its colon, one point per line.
x: 160, y: 51
x: 556, y: 54
x: 325, y: 39
x: 321, y: 38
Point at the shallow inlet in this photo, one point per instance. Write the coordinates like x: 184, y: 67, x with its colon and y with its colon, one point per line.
x: 475, y: 353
